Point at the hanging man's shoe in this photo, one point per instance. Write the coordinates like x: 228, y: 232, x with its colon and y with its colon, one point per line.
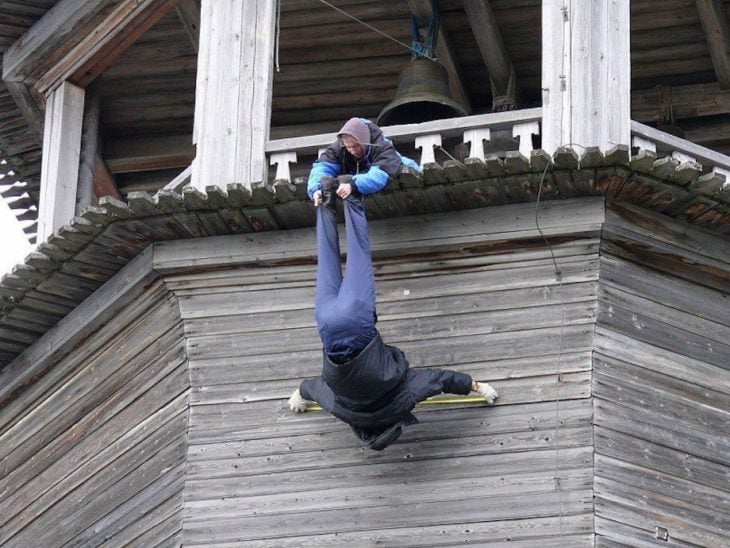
x: 329, y: 192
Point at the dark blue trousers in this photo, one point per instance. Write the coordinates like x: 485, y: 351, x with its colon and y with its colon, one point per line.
x: 344, y: 306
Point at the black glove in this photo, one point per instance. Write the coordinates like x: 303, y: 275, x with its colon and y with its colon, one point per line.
x: 346, y: 180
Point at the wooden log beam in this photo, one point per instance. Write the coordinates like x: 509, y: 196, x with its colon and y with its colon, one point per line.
x: 189, y: 13
x: 51, y: 37
x: 133, y: 155
x: 716, y: 26
x: 28, y: 107
x: 104, y: 184
x: 62, y: 47
x: 446, y: 55
x: 690, y: 101
x: 494, y: 53
x: 97, y: 51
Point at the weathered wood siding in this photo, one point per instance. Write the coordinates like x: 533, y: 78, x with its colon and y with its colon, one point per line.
x: 93, y: 423
x: 474, y: 291
x: 661, y: 384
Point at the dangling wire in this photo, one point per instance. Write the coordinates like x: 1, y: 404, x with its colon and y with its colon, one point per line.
x: 278, y: 33
x: 380, y: 32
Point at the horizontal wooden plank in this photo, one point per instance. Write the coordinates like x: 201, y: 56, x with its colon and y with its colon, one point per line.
x: 639, y: 325
x: 627, y: 349
x: 280, y: 437
x: 666, y: 312
x: 393, y: 305
x: 227, y: 390
x: 414, y: 235
x: 207, y: 374
x: 708, y: 405
x: 665, y: 289
x: 302, y: 274
x: 634, y: 419
x: 227, y: 301
x: 576, y: 530
x: 636, y: 225
x: 348, y: 498
x: 243, y: 342
x: 418, y: 443
x: 613, y: 534
x: 618, y: 502
x: 386, y: 516
x: 661, y: 457
x: 398, y: 467
x: 693, y: 494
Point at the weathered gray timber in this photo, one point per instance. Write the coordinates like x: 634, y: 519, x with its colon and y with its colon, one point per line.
x: 661, y: 383
x: 93, y: 422
x: 155, y: 411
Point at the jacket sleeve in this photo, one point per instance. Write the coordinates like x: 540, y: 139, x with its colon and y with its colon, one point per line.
x: 385, y: 165
x: 373, y: 180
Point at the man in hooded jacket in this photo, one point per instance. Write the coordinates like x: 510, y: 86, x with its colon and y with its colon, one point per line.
x: 364, y: 382
x: 361, y: 153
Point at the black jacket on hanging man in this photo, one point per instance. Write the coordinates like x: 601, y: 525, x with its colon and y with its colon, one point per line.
x: 376, y: 391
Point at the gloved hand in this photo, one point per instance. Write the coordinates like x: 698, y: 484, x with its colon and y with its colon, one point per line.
x: 485, y: 391
x: 296, y: 403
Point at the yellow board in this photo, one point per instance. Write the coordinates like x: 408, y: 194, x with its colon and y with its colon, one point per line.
x: 436, y: 400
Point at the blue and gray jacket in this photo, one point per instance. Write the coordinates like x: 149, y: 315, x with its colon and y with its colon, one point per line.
x: 380, y: 164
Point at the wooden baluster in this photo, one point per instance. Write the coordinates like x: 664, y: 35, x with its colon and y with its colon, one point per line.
x: 476, y: 138
x: 525, y: 131
x: 282, y: 160
x: 427, y: 143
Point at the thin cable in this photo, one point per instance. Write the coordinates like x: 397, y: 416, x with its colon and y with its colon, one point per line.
x: 442, y: 149
x: 278, y: 33
x: 380, y: 32
x: 558, y: 380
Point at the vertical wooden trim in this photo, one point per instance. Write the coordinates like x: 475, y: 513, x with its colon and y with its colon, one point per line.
x: 235, y: 70
x: 555, y: 70
x: 586, y: 73
x: 61, y: 154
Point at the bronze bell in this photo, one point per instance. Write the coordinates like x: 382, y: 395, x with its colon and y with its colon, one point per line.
x: 423, y: 94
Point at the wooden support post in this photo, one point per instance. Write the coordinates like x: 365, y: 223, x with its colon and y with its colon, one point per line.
x: 233, y: 92
x: 494, y: 53
x: 716, y: 26
x: 61, y: 154
x: 585, y: 74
